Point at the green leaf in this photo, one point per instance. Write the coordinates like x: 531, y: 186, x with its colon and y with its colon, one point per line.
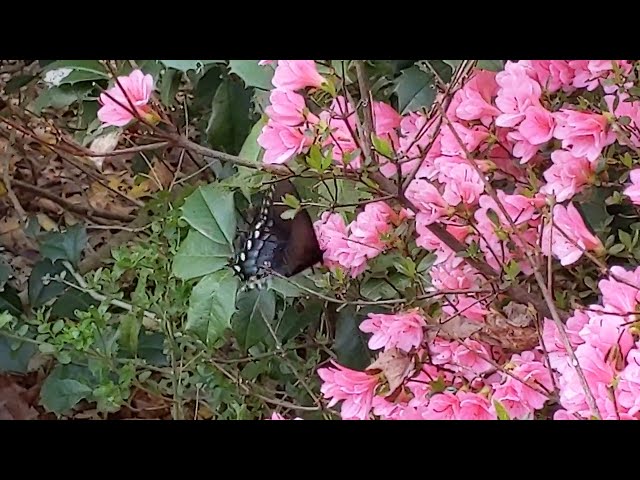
x: 377, y: 289
x: 55, y: 97
x: 255, y: 309
x: 382, y: 146
x: 186, y: 65
x: 592, y: 207
x: 66, y: 305
x: 501, y: 411
x: 626, y: 239
x: 15, y: 360
x: 250, y: 149
x: 151, y: 348
x: 82, y: 70
x: 46, y: 348
x: 415, y: 90
x: 64, y: 245
x: 169, y: 87
x: 210, y: 210
x: 61, y: 392
x: 211, y: 306
x: 10, y: 301
x: 130, y: 332
x: 294, y: 321
x: 253, y: 74
x: 492, y: 65
x: 229, y: 122
x: 350, y: 345
x: 39, y: 292
x: 199, y: 256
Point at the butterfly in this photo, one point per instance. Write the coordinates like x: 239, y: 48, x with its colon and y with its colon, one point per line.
x: 284, y: 246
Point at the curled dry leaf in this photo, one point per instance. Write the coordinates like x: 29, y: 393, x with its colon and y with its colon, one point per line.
x: 13, y: 405
x: 396, y: 366
x: 500, y: 331
x: 105, y: 143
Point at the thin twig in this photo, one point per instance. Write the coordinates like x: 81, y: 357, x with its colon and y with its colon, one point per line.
x: 72, y: 207
x: 6, y: 179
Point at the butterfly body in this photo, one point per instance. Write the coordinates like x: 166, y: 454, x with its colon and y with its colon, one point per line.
x: 284, y: 246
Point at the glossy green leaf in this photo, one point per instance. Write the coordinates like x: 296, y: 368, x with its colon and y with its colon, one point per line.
x: 415, y: 90
x: 63, y: 389
x: 211, y: 306
x: 350, y: 344
x: 256, y: 308
x: 66, y: 245
x: 210, y: 211
x: 492, y: 65
x: 253, y: 74
x: 199, y: 256
x: 10, y: 301
x: 294, y: 320
x: 14, y: 360
x: 41, y: 291
x: 229, y: 123
x: 66, y: 304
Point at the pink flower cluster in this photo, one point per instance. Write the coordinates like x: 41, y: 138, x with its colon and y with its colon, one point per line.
x: 289, y: 130
x: 606, y: 350
x: 403, y: 330
x: 458, y: 383
x: 350, y: 246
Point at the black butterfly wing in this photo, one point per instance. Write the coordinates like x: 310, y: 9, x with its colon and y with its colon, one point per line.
x: 300, y: 249
x: 287, y: 246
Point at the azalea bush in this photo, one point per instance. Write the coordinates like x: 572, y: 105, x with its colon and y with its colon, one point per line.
x: 478, y: 222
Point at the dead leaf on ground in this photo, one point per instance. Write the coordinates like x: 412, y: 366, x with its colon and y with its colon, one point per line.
x: 396, y: 365
x: 13, y: 405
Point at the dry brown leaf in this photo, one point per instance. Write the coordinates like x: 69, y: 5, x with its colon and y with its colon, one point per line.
x: 395, y: 365
x: 501, y: 332
x: 46, y: 223
x: 3, y: 189
x: 105, y: 143
x: 13, y: 406
x: 102, y: 199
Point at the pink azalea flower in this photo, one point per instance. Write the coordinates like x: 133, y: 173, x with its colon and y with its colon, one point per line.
x: 402, y: 330
x: 474, y: 406
x: 444, y: 406
x: 471, y: 138
x: 281, y: 142
x: 462, y: 184
x: 568, y: 220
x: 633, y: 191
x: 427, y: 199
x: 355, y: 389
x: 262, y: 63
x: 584, y: 134
x: 116, y: 111
x: 553, y: 74
x: 287, y: 108
x: 518, y: 91
x: 469, y: 356
x: 467, y: 307
x: 296, y: 74
x: 537, y: 126
x: 473, y: 101
x: 567, y: 176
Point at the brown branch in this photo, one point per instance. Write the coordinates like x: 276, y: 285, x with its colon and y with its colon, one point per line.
x: 6, y: 179
x: 80, y: 209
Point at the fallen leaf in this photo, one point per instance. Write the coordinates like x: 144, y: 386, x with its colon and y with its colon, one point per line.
x: 105, y: 143
x: 3, y: 189
x: 395, y: 365
x: 46, y: 223
x: 13, y: 406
